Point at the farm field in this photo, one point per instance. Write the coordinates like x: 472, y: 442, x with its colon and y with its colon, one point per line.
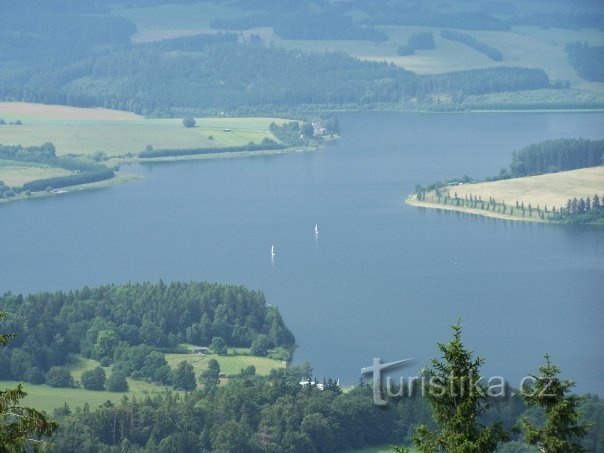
x: 116, y: 133
x: 552, y: 189
x: 15, y: 174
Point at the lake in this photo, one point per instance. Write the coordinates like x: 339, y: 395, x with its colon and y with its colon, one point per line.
x: 382, y: 279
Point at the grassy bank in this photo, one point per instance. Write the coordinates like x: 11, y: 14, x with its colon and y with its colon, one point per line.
x: 119, y: 178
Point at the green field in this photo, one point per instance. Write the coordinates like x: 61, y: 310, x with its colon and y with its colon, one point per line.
x: 76, y: 133
x: 236, y: 360
x: 15, y: 174
x: 47, y: 398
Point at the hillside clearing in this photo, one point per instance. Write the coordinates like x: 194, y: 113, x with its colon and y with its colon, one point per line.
x: 231, y: 364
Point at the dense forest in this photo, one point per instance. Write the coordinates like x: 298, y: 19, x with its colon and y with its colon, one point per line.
x: 95, y: 64
x: 588, y: 61
x: 472, y: 42
x: 132, y: 326
x: 255, y: 414
x: 251, y: 413
x: 552, y: 156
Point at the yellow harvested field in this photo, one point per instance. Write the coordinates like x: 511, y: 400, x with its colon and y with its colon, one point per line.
x: 26, y: 110
x: 552, y: 189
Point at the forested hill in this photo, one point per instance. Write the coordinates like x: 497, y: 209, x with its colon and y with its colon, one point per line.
x: 116, y: 324
x: 94, y: 64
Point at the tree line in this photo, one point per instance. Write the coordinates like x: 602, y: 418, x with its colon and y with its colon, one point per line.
x: 132, y: 326
x: 552, y: 156
x: 582, y: 210
x: 266, y: 145
x: 473, y: 43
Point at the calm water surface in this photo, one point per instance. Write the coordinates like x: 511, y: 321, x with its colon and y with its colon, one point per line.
x: 381, y: 280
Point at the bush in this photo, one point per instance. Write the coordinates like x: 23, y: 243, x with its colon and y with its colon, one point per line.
x: 117, y: 382
x: 34, y: 375
x: 94, y: 379
x: 260, y: 346
x: 59, y: 376
x: 189, y: 122
x: 218, y: 346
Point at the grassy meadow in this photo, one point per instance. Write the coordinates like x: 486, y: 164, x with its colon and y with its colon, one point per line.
x: 45, y: 397
x: 15, y: 174
x: 236, y: 360
x: 84, y: 131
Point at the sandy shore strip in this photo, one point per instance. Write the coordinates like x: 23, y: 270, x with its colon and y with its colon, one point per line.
x: 412, y: 200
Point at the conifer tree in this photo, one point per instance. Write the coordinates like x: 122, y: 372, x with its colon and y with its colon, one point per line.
x: 457, y: 398
x: 562, y: 429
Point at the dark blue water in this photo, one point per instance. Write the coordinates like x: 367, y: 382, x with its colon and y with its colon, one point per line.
x: 382, y: 279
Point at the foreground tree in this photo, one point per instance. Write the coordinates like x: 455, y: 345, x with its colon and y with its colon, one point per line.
x: 19, y: 425
x: 562, y: 430
x: 457, y: 398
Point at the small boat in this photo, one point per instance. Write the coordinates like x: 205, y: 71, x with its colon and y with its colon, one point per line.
x: 316, y: 229
x: 272, y: 250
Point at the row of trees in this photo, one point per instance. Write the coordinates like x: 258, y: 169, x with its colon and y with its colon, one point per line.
x: 473, y: 43
x: 582, y: 210
x: 266, y: 145
x: 133, y: 325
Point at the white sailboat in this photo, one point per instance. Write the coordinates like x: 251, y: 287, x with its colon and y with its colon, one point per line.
x: 316, y: 229
x: 272, y: 250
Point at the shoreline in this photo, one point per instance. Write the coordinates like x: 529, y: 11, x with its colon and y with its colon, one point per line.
x: 119, y: 178
x: 272, y: 152
x: 412, y: 201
